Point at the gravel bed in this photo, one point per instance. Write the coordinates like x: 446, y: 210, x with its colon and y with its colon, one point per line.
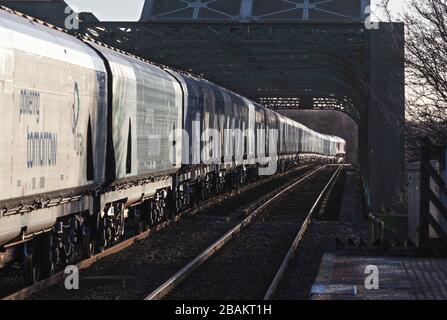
x: 136, y: 271
x: 344, y: 223
x: 303, y: 269
x: 254, y: 260
x: 11, y: 280
x: 245, y: 267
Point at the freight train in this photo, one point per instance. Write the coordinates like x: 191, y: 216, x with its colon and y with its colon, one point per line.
x: 93, y: 138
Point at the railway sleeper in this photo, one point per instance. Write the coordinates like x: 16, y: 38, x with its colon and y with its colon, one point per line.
x: 83, y: 234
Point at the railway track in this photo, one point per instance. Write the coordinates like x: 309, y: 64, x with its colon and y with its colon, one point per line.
x: 252, y: 264
x: 218, y: 204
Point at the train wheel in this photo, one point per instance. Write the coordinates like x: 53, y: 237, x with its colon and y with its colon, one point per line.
x: 69, y: 239
x: 146, y: 215
x: 69, y: 251
x: 138, y: 224
x: 202, y: 190
x: 118, y: 223
x: 146, y: 224
x: 197, y: 191
x: 88, y: 246
x: 46, y: 261
x: 156, y: 214
x: 102, y: 234
x: 31, y: 266
x: 171, y: 204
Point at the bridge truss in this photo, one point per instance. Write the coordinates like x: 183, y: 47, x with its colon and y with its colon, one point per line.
x: 293, y: 64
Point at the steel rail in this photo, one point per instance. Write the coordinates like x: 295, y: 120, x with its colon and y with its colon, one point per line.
x: 299, y: 237
x: 177, y: 278
x: 86, y: 263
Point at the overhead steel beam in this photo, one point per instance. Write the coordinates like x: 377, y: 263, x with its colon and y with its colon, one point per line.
x: 311, y: 65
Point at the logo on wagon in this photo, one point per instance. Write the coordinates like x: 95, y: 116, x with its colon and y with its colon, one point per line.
x: 78, y: 138
x: 75, y: 108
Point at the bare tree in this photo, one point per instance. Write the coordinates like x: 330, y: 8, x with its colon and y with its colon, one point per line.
x: 426, y: 72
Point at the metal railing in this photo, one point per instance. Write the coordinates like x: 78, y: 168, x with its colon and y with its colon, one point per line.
x: 377, y: 229
x: 433, y: 191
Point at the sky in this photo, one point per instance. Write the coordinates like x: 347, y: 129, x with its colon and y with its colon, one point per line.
x: 130, y: 10
x: 109, y: 10
x: 397, y: 7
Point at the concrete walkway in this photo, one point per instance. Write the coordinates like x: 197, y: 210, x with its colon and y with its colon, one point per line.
x: 342, y: 277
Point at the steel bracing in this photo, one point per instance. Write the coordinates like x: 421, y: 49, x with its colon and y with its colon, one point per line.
x: 254, y: 10
x: 288, y: 63
x: 285, y: 65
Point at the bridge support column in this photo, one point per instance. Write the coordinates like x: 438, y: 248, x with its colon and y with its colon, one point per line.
x: 385, y: 118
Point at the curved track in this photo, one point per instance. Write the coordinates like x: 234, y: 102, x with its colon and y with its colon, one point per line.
x: 252, y: 264
x: 226, y: 202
